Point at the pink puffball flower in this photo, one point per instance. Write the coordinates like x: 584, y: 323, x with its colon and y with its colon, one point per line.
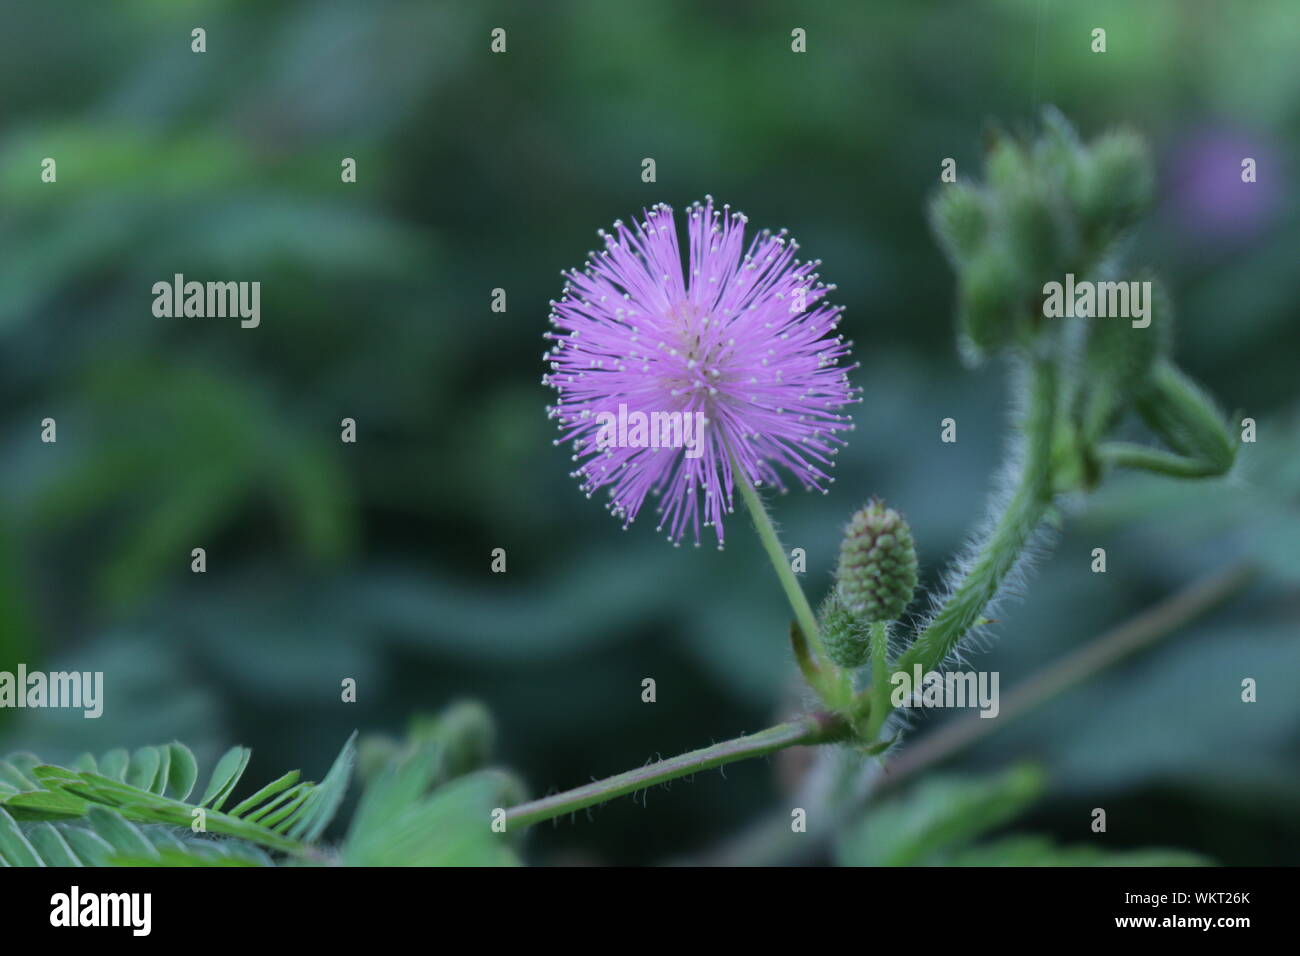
x: 735, y: 348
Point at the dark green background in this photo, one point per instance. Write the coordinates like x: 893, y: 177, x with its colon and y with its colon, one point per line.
x: 479, y: 171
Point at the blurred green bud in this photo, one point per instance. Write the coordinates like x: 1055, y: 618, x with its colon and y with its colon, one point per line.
x: 1049, y: 208
x: 1007, y: 166
x: 1115, y: 185
x: 1118, y: 358
x: 465, y: 731
x: 1033, y: 210
x: 1187, y: 420
x: 1059, y: 148
x: 505, y: 788
x: 877, y: 572
x: 845, y: 636
x: 374, y: 753
x: 1039, y: 230
x: 992, y: 298
x: 960, y: 220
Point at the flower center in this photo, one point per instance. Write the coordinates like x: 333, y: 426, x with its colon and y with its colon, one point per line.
x: 692, y: 371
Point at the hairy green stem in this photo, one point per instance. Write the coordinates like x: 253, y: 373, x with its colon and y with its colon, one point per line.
x: 1124, y: 454
x: 811, y: 729
x: 1005, y: 544
x: 803, y: 655
x: 879, y: 679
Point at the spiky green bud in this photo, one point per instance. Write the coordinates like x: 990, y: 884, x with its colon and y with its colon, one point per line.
x: 877, y: 571
x: 1119, y: 357
x: 1059, y: 149
x: 1007, y: 165
x: 992, y: 299
x: 1188, y: 420
x: 1115, y: 185
x: 960, y: 218
x: 1040, y: 230
x: 844, y: 635
x: 464, y: 729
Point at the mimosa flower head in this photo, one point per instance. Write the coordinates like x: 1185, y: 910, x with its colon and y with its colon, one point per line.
x: 734, y: 348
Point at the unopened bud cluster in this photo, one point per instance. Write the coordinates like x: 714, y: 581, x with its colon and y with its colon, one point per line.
x: 1051, y: 215
x: 875, y: 581
x: 1047, y: 207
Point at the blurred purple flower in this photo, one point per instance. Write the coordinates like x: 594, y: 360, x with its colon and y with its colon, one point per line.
x: 744, y: 339
x: 1209, y: 197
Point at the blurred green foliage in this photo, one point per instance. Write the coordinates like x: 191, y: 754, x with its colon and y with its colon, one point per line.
x: 478, y: 171
x: 936, y: 822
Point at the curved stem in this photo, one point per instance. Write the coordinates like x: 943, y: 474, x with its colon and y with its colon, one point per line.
x: 829, y: 682
x: 879, y: 679
x: 1125, y: 454
x: 1005, y: 544
x: 811, y: 729
x: 780, y: 562
x: 1135, y: 634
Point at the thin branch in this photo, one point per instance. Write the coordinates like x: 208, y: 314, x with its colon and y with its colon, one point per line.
x: 811, y: 729
x: 1135, y: 634
x: 1009, y: 536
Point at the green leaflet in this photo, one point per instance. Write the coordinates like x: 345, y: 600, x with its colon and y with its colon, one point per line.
x: 52, y: 846
x: 143, y: 770
x: 426, y: 804
x: 224, y: 777
x: 130, y: 807
x: 183, y: 772
x: 15, y: 848
x: 323, y: 801
x: 105, y: 838
x: 89, y: 847
x: 122, y: 835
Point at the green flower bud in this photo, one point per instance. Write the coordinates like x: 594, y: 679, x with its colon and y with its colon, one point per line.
x: 1007, y: 166
x: 1059, y: 150
x: 1187, y: 419
x: 1035, y: 215
x: 1115, y: 184
x: 1039, y: 231
x: 877, y: 571
x: 1118, y: 359
x: 846, y: 638
x: 465, y: 731
x: 992, y: 299
x: 960, y: 220
x: 374, y: 754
